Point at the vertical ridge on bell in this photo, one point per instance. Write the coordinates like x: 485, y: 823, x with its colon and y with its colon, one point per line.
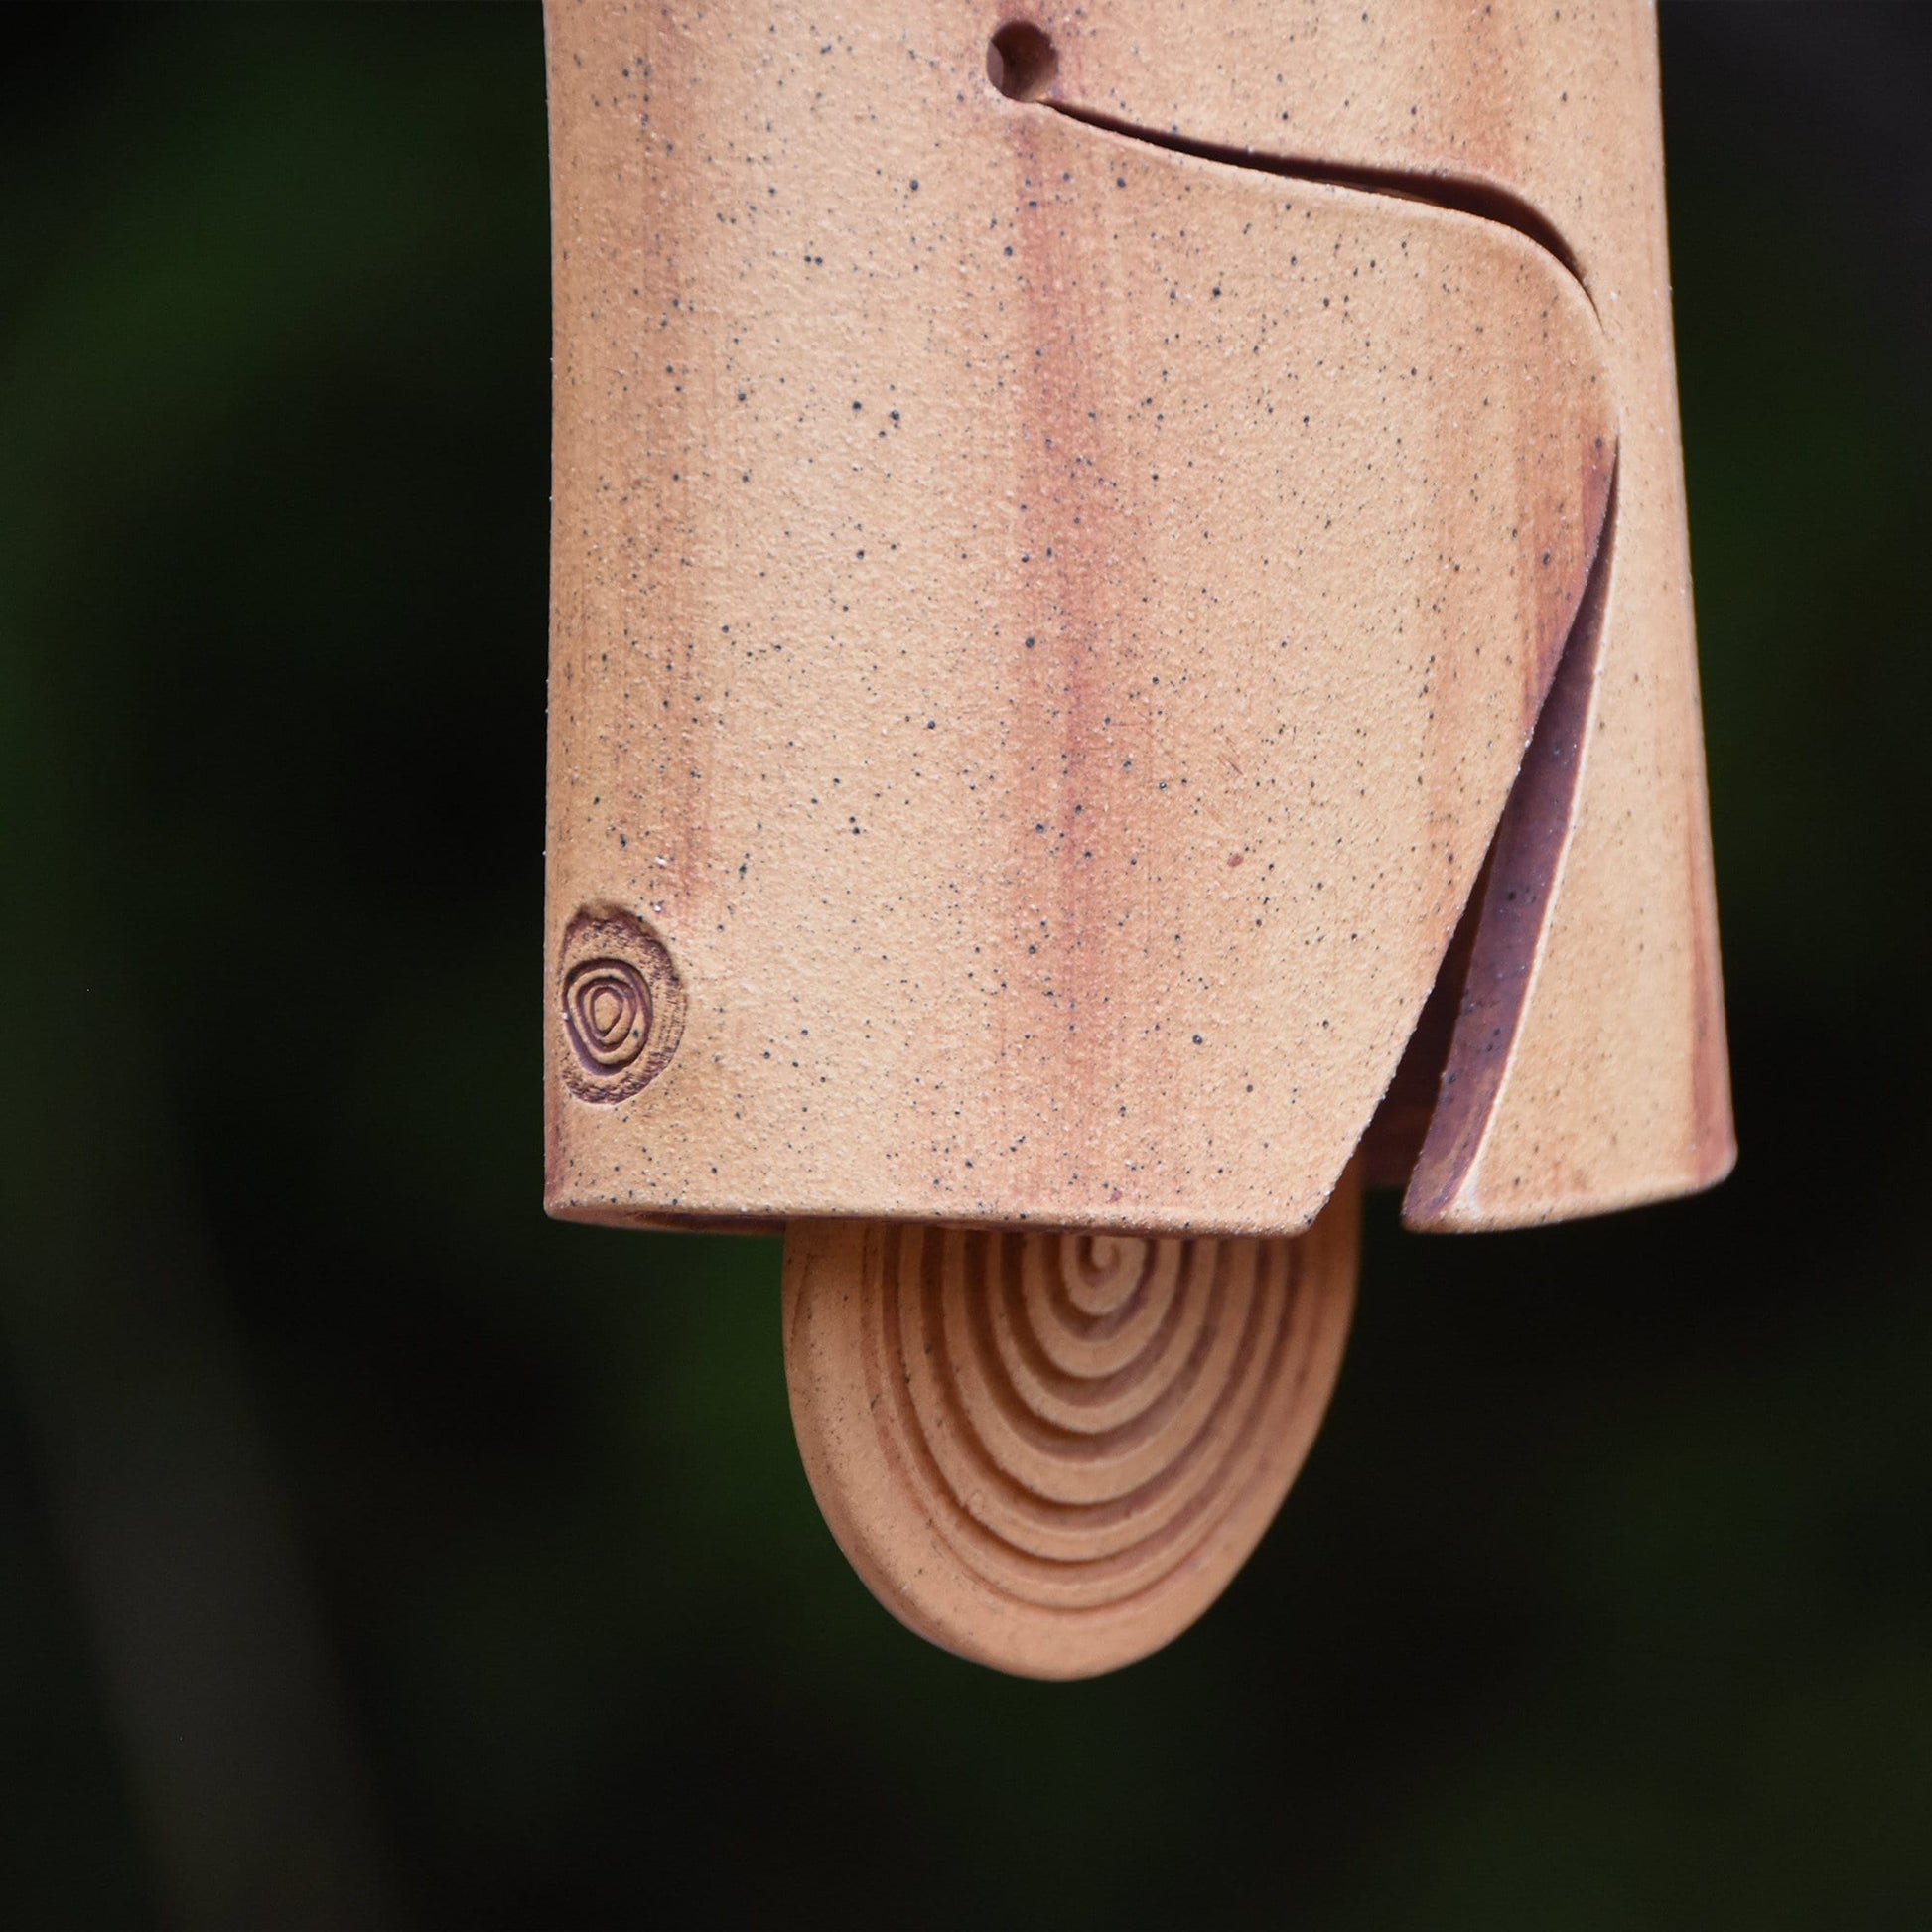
x: 1614, y: 1087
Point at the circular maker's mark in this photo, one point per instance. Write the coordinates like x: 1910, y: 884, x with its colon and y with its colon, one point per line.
x: 621, y: 1005
x: 1052, y: 1452
x: 607, y: 1010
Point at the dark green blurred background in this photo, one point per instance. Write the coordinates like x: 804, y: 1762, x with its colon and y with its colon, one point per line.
x: 374, y: 1550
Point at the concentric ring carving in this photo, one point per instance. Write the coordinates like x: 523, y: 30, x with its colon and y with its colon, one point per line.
x: 1053, y: 1452
x: 621, y: 1005
x: 607, y: 1012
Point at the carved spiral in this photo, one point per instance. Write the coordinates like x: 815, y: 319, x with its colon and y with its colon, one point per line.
x: 1052, y: 1452
x: 607, y: 1009
x: 621, y: 1005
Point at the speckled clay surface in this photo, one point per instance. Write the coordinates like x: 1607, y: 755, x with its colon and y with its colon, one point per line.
x: 1614, y: 1084
x: 1045, y: 627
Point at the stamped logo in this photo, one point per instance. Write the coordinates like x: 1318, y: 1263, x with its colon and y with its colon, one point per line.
x: 621, y: 1005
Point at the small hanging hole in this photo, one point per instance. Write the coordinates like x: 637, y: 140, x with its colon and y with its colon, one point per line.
x: 1021, y: 61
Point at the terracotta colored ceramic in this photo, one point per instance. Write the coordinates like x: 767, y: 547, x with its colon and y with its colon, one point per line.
x: 1100, y: 558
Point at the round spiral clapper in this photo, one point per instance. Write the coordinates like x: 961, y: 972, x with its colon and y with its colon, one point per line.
x: 1050, y: 1453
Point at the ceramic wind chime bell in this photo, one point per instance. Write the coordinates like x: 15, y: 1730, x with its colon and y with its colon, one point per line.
x: 1122, y: 668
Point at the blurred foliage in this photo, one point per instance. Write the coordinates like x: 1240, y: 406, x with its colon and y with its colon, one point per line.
x: 375, y: 1550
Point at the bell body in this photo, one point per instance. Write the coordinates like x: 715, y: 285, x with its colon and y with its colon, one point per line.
x: 1047, y: 626
x: 1121, y: 663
